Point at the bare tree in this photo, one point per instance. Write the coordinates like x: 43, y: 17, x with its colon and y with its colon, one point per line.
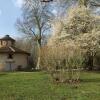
x: 34, y: 22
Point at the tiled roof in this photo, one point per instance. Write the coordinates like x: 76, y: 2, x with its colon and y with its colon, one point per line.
x: 7, y: 37
x: 12, y: 50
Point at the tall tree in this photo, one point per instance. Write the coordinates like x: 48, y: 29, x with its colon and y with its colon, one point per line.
x: 34, y: 21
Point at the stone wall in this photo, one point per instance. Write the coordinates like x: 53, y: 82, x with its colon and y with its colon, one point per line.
x: 18, y: 60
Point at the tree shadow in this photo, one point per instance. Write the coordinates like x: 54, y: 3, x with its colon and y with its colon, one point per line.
x: 97, y: 80
x: 3, y: 74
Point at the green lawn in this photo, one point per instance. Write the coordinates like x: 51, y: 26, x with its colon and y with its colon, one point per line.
x: 38, y: 86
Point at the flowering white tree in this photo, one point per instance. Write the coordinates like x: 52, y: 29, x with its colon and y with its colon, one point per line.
x: 83, y: 25
x: 84, y: 28
x: 74, y: 36
x: 90, y: 42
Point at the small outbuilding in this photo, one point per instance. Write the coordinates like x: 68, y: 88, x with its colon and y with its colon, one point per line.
x: 11, y: 57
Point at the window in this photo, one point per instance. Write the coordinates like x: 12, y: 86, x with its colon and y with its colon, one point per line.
x: 4, y: 43
x: 10, y: 56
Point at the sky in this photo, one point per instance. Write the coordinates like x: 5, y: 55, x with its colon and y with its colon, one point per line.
x: 10, y: 10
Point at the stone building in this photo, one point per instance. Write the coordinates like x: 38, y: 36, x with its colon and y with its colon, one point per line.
x: 11, y: 58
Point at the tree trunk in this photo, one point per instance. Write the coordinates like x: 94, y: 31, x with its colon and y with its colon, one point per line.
x: 39, y: 54
x: 90, y: 63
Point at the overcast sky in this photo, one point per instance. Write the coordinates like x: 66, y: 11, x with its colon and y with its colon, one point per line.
x: 9, y: 12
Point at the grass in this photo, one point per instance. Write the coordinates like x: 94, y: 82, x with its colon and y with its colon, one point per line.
x: 38, y: 86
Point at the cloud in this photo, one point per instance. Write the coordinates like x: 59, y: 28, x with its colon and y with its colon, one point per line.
x: 18, y: 3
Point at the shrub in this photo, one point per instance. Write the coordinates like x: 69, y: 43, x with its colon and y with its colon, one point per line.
x: 62, y: 61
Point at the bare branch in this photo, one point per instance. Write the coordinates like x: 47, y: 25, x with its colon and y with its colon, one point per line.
x: 33, y: 32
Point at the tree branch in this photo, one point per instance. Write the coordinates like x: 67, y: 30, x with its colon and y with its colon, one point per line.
x: 33, y: 32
